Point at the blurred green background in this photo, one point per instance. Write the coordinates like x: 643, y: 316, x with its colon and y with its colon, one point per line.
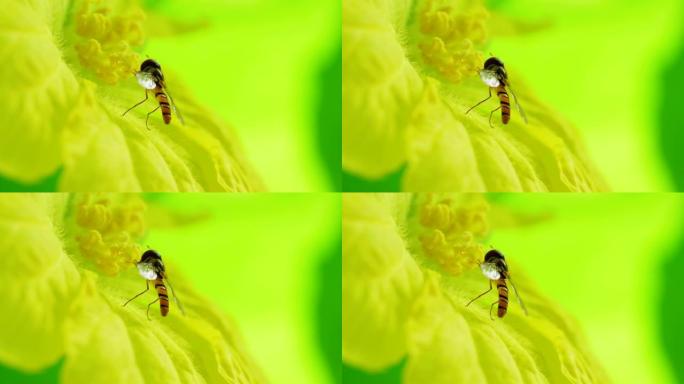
x: 613, y: 261
x: 261, y: 258
x: 269, y: 68
x: 270, y: 261
x: 614, y: 68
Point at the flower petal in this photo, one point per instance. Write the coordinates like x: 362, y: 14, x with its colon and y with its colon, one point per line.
x: 37, y: 279
x: 379, y: 280
x: 38, y: 89
x: 107, y: 342
x: 449, y: 149
x: 379, y: 87
x: 105, y: 151
x: 439, y: 147
x: 449, y: 342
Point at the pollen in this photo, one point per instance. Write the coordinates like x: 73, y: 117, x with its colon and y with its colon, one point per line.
x: 451, y: 230
x: 107, y: 38
x: 449, y: 36
x: 108, y: 229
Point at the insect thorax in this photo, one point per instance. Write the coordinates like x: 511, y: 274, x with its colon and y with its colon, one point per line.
x: 153, y: 259
x: 496, y: 67
x: 153, y: 69
x: 497, y: 258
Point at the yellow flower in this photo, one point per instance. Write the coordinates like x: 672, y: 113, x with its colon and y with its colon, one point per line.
x: 67, y: 268
x: 409, y: 76
x: 410, y: 266
x: 67, y: 79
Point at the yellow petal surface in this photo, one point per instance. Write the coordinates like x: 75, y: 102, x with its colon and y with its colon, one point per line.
x: 105, y: 151
x: 37, y: 88
x: 37, y: 279
x: 449, y: 150
x: 379, y: 280
x: 449, y: 342
x: 379, y: 86
x: 439, y: 143
x: 109, y: 343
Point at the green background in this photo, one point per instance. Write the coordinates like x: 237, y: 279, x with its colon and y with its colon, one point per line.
x: 270, y: 68
x: 270, y: 261
x: 613, y: 68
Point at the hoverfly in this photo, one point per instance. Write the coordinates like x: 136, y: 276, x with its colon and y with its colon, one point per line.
x: 494, y: 75
x: 495, y: 269
x: 151, y: 268
x: 150, y: 77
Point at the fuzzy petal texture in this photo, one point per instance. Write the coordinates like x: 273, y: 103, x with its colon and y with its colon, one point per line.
x: 449, y: 342
x: 379, y: 86
x: 37, y: 88
x: 451, y: 151
x: 379, y: 280
x: 109, y: 343
x: 37, y: 279
x: 198, y: 156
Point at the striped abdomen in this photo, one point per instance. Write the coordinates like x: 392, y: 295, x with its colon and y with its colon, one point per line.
x: 505, y: 105
x: 163, y: 296
x: 163, y: 100
x: 503, y: 297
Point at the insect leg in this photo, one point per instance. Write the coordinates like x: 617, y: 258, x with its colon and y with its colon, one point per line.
x: 471, y: 108
x: 490, y: 309
x: 481, y: 294
x: 144, y: 100
x: 146, y: 289
x: 148, y: 308
x: 492, y: 113
x: 148, y: 116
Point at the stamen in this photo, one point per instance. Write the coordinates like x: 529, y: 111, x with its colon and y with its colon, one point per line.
x: 451, y: 230
x: 449, y: 36
x: 108, y: 229
x: 107, y: 40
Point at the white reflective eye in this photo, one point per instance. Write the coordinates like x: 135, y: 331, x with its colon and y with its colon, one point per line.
x: 145, y: 80
x: 489, y: 78
x: 490, y: 271
x: 147, y: 271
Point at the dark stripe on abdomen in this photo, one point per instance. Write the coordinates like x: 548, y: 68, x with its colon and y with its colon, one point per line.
x: 163, y: 296
x: 164, y: 104
x: 505, y: 105
x: 503, y: 298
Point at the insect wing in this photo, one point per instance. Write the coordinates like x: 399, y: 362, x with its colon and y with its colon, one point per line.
x: 173, y: 105
x: 175, y: 297
x: 517, y: 295
x: 517, y: 103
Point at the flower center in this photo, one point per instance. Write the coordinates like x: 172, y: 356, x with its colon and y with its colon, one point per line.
x: 107, y: 39
x: 448, y: 38
x: 451, y: 230
x: 107, y: 230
